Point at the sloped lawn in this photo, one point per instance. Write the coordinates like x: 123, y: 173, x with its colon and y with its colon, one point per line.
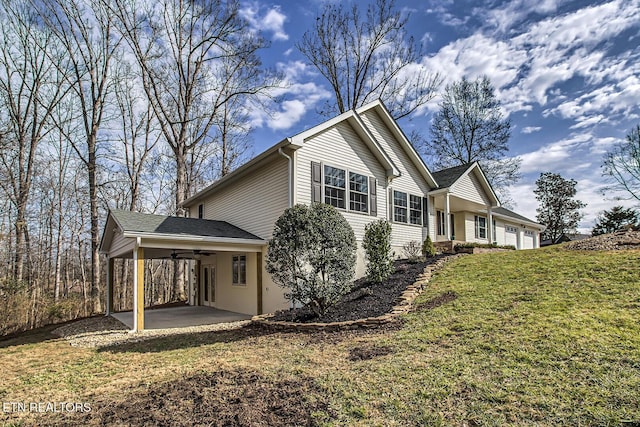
x: 545, y: 337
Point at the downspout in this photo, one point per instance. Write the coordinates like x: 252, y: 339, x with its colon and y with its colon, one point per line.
x: 290, y: 179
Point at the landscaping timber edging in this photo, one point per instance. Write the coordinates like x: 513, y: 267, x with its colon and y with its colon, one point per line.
x: 402, y: 305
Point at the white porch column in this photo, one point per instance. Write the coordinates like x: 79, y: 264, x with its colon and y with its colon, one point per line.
x: 490, y: 225
x: 520, y: 238
x: 138, y: 289
x: 447, y: 217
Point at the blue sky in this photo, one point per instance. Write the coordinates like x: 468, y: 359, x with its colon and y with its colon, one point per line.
x: 566, y: 72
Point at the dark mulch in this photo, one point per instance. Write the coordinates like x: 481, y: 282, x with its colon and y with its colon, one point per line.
x: 224, y: 398
x: 365, y: 299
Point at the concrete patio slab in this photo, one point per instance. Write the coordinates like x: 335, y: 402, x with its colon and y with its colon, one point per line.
x: 181, y: 317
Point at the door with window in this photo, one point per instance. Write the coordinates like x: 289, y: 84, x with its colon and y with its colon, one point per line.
x: 208, y: 285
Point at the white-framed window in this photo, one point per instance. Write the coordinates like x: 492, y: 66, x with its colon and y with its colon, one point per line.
x: 528, y: 233
x: 440, y: 223
x: 415, y: 209
x: 511, y: 229
x: 358, y: 192
x: 335, y: 187
x: 201, y: 210
x: 399, y: 206
x: 239, y: 270
x: 481, y: 227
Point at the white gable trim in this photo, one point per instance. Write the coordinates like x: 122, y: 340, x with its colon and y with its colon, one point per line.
x: 401, y: 138
x: 361, y: 129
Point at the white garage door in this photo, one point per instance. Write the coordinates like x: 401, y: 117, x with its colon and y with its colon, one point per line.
x: 527, y: 243
x: 511, y: 235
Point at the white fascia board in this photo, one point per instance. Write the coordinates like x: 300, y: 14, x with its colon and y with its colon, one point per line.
x: 438, y: 191
x: 195, y: 239
x: 519, y: 221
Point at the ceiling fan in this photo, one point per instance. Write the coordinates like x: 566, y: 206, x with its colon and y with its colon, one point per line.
x: 195, y: 254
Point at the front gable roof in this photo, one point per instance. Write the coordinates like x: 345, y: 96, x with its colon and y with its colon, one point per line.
x: 448, y: 178
x: 353, y: 118
x: 297, y: 141
x: 400, y: 137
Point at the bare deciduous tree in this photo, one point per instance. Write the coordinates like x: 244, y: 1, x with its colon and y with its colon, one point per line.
x: 86, y: 30
x: 181, y: 46
x: 622, y: 164
x: 470, y: 127
x: 366, y: 57
x: 32, y: 83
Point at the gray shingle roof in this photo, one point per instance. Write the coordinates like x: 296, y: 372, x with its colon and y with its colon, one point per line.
x: 446, y: 177
x: 163, y: 224
x: 511, y: 214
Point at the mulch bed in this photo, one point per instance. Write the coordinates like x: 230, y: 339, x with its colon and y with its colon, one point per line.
x: 365, y: 299
x: 222, y: 398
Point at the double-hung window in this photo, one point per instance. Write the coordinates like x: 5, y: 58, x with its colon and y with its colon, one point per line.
x: 399, y: 206
x: 334, y: 187
x: 481, y: 227
x: 239, y: 270
x: 415, y: 209
x: 358, y: 192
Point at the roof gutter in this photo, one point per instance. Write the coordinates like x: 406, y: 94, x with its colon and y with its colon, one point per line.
x: 191, y: 238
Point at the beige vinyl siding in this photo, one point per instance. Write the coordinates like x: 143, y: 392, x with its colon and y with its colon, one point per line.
x: 255, y: 201
x: 340, y: 147
x: 410, y: 180
x: 469, y: 188
x: 238, y: 298
x: 470, y: 226
x: 119, y: 243
x: 499, y: 238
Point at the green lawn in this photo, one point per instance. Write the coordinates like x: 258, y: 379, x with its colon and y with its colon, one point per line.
x: 545, y: 337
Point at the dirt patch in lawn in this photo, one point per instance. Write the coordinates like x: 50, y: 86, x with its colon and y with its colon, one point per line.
x: 223, y: 398
x: 367, y: 353
x: 437, y: 301
x: 366, y: 299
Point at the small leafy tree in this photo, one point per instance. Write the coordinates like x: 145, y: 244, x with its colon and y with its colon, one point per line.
x: 615, y: 219
x: 428, y: 249
x: 377, y: 246
x: 312, y: 255
x: 558, y: 209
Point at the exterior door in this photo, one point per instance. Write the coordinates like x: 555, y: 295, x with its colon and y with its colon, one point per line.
x: 208, y: 285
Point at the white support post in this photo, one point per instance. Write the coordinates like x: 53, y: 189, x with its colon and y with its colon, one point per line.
x: 490, y: 225
x: 447, y: 217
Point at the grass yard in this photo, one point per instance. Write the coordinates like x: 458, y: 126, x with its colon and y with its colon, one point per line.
x: 545, y: 337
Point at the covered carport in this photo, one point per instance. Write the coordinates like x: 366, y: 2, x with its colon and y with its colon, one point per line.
x: 141, y: 236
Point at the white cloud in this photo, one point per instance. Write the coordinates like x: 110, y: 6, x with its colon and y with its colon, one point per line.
x: 271, y: 21
x: 291, y: 113
x: 530, y: 129
x: 553, y: 157
x: 298, y: 98
x: 527, y: 68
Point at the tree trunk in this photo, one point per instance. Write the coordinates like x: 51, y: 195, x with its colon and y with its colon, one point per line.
x: 177, y: 292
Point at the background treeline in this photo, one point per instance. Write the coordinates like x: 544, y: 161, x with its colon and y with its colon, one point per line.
x: 128, y: 104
